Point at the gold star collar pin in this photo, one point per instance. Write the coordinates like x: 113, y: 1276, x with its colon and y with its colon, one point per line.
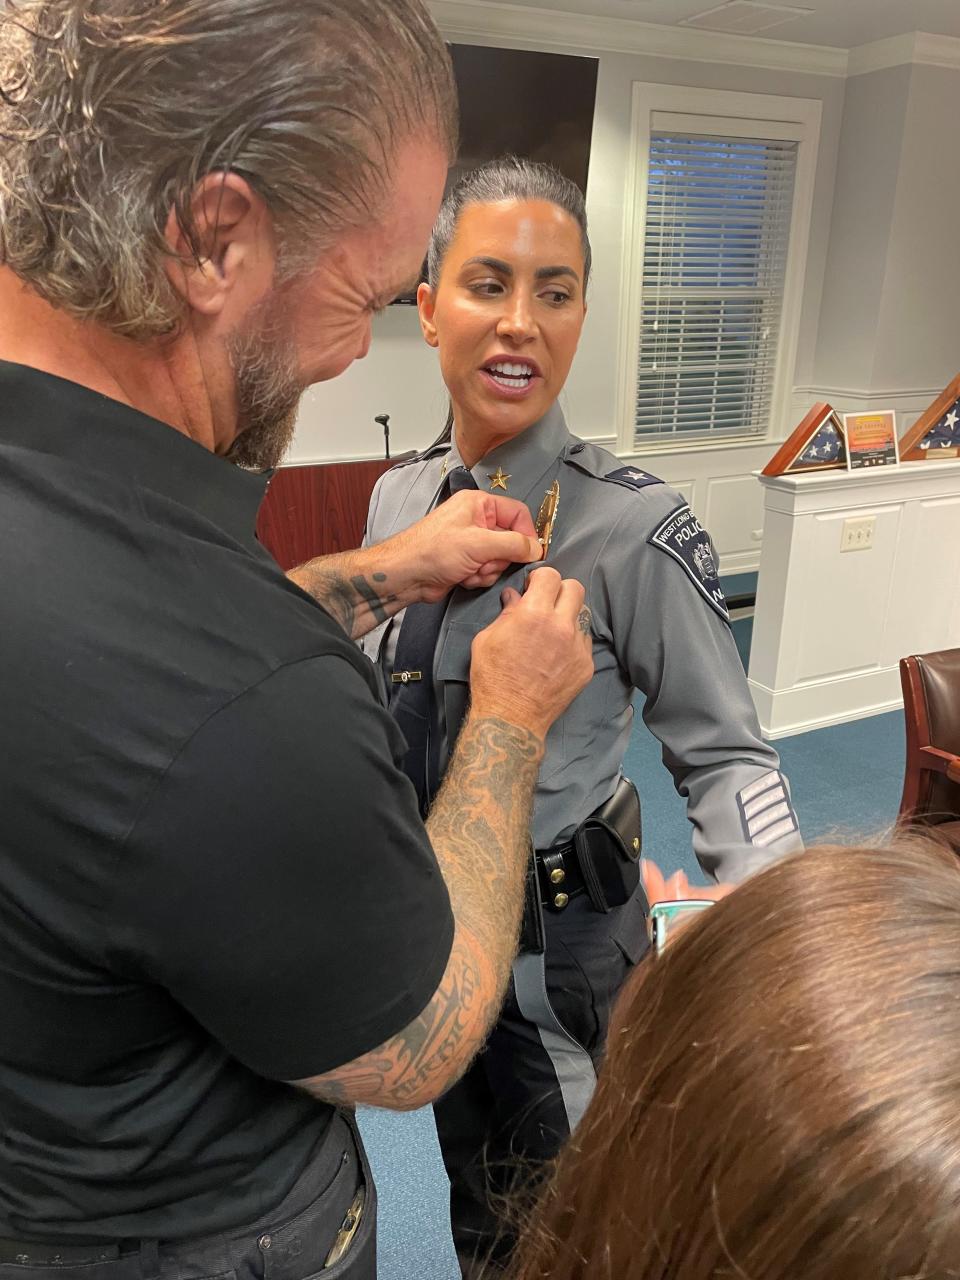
x: 498, y: 480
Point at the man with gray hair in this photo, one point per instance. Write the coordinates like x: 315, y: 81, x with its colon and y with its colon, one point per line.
x: 222, y: 921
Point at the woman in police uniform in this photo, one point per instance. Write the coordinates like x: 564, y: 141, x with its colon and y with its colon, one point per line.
x: 506, y: 301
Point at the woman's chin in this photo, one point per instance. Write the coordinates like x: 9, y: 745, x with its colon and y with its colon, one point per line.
x: 499, y: 427
x: 519, y: 411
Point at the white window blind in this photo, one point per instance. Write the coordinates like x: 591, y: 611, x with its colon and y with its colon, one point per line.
x: 715, y: 248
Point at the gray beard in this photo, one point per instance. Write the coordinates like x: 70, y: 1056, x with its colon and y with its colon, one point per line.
x: 263, y: 357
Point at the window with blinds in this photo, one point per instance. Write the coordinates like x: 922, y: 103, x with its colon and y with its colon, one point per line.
x: 715, y: 247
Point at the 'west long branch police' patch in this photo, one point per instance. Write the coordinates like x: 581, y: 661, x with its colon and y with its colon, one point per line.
x: 682, y: 536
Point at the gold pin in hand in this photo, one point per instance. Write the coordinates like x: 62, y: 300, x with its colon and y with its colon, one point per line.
x: 547, y: 515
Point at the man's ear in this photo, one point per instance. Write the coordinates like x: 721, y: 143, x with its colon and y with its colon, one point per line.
x: 426, y: 300
x: 236, y: 242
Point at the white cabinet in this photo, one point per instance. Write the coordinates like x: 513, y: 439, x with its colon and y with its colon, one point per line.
x: 831, y: 625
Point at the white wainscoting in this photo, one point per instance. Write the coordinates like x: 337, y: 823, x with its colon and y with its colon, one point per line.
x: 721, y: 484
x: 831, y: 626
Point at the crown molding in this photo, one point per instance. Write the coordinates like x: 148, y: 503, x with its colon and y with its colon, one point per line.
x: 918, y: 48
x: 579, y: 32
x: 485, y: 21
x: 881, y: 55
x: 937, y: 51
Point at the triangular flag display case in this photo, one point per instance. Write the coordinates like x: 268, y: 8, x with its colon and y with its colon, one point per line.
x: 936, y: 433
x: 818, y: 444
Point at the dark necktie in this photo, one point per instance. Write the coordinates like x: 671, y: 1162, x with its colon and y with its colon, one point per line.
x: 412, y: 701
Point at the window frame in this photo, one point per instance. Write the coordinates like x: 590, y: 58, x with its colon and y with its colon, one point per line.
x: 724, y: 113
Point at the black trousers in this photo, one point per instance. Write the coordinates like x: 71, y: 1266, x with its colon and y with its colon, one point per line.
x: 528, y: 1088
x: 292, y: 1242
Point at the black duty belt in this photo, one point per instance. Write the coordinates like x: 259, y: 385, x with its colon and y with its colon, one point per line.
x: 601, y: 858
x: 559, y: 876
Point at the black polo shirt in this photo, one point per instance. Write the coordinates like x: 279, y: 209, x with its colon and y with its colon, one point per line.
x: 213, y: 877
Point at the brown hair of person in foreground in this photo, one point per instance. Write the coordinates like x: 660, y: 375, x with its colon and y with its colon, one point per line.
x: 781, y: 1094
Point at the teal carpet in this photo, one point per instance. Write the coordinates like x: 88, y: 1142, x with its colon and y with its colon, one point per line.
x: 846, y: 785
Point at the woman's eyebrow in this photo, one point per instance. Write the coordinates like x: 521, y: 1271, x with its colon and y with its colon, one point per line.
x: 505, y: 269
x: 495, y: 264
x: 547, y: 273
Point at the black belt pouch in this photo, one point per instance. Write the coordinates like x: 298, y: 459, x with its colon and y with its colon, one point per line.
x: 608, y: 845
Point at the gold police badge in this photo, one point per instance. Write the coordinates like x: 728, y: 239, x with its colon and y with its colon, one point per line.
x: 547, y: 515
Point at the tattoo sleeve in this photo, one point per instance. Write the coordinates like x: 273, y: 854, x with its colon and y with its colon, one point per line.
x: 479, y: 827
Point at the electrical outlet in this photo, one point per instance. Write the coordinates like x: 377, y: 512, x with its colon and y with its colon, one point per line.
x: 857, y: 534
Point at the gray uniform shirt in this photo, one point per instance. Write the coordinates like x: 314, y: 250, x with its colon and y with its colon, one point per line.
x: 660, y: 626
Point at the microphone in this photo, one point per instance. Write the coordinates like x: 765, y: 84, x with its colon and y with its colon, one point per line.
x: 384, y: 421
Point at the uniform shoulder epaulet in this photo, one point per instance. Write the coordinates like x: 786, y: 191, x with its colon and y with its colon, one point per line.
x: 600, y: 464
x: 632, y: 477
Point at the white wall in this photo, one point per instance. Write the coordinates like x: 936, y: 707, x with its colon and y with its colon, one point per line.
x: 874, y: 120
x: 400, y: 377
x: 917, y: 338
x: 888, y: 331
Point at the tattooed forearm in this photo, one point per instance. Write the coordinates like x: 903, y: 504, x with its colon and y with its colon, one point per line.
x: 368, y: 593
x: 359, y: 600
x: 431, y: 1053
x: 479, y: 829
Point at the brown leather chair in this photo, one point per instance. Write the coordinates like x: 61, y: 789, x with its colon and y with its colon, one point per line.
x: 931, y: 705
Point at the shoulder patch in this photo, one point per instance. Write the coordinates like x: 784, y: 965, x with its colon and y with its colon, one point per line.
x: 633, y: 477
x: 683, y: 537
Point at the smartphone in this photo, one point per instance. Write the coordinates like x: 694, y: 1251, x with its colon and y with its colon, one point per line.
x: 665, y: 917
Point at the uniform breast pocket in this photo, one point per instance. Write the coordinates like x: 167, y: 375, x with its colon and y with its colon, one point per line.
x: 468, y: 614
x: 453, y: 678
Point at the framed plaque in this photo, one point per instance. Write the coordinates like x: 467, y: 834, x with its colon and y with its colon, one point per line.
x: 818, y: 444
x: 871, y: 439
x: 936, y: 433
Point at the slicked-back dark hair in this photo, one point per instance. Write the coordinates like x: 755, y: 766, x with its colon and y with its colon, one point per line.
x: 112, y: 110
x: 510, y: 178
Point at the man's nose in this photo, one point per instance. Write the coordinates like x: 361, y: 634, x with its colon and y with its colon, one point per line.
x: 517, y: 321
x: 365, y: 339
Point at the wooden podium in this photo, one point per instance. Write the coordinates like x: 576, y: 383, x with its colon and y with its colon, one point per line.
x: 318, y: 509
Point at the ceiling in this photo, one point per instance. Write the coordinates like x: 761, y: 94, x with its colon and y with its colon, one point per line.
x: 842, y: 23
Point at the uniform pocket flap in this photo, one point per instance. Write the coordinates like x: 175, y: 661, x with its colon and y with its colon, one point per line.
x: 453, y: 655
x: 630, y: 933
